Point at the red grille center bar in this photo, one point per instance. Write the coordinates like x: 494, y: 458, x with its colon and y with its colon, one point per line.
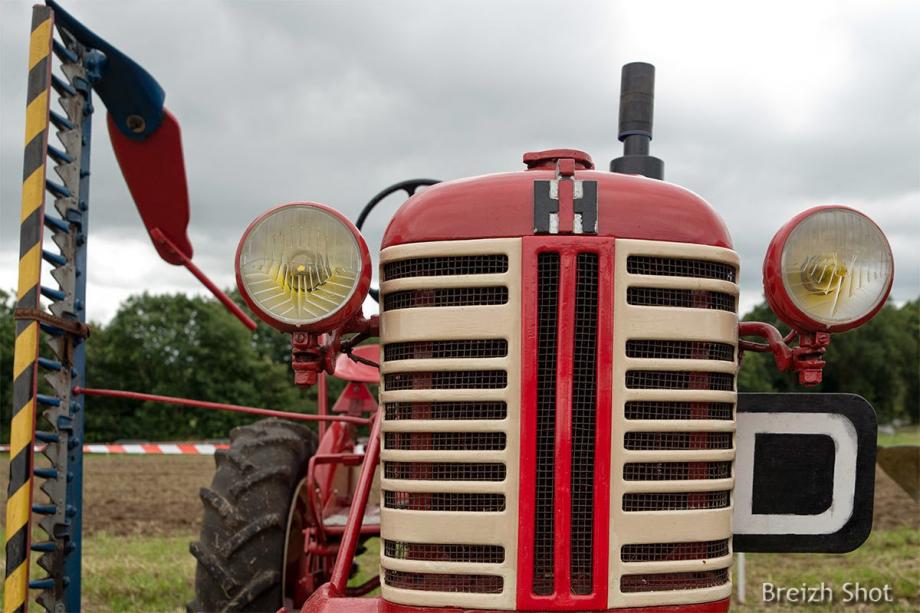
x: 565, y: 479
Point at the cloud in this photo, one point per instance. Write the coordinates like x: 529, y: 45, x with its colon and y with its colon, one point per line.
x: 763, y: 109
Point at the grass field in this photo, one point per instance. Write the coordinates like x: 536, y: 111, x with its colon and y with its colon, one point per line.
x: 142, y: 512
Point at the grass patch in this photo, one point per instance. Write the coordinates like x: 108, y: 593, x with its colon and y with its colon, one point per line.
x: 907, y: 435
x: 888, y: 557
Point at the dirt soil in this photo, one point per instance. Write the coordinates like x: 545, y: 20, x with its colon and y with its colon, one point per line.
x: 127, y: 495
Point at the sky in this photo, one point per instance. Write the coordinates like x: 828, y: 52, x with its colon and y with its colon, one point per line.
x: 764, y: 109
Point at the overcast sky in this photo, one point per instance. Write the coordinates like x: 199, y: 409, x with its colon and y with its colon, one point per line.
x: 764, y: 109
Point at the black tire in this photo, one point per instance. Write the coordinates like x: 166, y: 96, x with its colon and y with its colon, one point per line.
x: 243, y: 531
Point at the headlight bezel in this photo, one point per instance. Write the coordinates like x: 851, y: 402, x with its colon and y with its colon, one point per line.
x: 336, y: 318
x: 777, y: 294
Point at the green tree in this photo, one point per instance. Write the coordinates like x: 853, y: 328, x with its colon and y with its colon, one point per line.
x: 177, y: 345
x: 7, y: 340
x: 879, y: 361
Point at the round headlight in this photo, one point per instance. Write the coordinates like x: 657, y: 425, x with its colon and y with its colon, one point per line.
x: 303, y: 266
x: 828, y: 269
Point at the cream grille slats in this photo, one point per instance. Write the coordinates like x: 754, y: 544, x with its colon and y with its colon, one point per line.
x: 409, y: 283
x: 683, y: 425
x: 468, y: 487
x: 443, y: 425
x: 677, y: 597
x: 702, y: 525
x: 445, y: 456
x: 684, y: 485
x: 679, y: 455
x: 444, y: 323
x: 429, y: 395
x: 724, y: 287
x: 682, y: 335
x: 431, y: 566
x: 681, y: 323
x: 691, y: 365
x: 483, y: 341
x: 442, y: 364
x: 677, y: 566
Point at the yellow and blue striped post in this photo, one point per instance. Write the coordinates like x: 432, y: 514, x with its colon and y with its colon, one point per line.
x: 25, y: 360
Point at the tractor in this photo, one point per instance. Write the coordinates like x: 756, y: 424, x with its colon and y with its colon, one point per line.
x: 558, y: 426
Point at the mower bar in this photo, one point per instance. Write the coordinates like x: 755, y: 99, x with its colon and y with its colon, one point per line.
x: 218, y: 406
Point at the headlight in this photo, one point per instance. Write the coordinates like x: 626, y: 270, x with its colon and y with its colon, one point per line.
x: 303, y: 266
x: 829, y: 269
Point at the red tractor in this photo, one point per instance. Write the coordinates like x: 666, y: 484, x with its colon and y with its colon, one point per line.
x: 558, y: 427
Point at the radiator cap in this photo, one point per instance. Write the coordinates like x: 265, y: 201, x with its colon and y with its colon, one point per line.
x: 546, y: 160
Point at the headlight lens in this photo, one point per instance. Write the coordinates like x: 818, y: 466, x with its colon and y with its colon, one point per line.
x: 835, y: 266
x: 301, y: 264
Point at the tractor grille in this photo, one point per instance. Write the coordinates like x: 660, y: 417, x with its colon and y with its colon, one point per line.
x: 452, y: 297
x: 676, y: 471
x: 444, y: 471
x: 444, y: 501
x: 674, y: 398
x: 563, y: 323
x: 444, y: 266
x: 437, y: 552
x: 445, y: 441
x: 421, y: 350
x: 674, y: 581
x: 443, y: 582
x: 547, y: 316
x: 445, y: 411
x: 643, y: 409
x: 677, y: 440
x: 450, y: 395
x: 446, y: 380
x: 675, y: 501
x: 673, y: 552
x: 680, y: 267
x: 683, y: 298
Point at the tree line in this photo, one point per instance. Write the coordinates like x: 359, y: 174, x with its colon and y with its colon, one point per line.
x: 189, y: 346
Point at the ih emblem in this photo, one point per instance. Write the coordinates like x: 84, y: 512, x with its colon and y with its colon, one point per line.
x: 565, y: 205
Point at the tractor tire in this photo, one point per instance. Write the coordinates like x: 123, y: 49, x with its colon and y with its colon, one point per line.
x: 243, y: 532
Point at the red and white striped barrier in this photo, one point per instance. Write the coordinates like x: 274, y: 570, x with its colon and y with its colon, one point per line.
x: 146, y: 448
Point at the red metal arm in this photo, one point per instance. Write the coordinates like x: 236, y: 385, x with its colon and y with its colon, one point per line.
x: 806, y: 359
x: 343, y: 562
x: 219, y: 406
x: 162, y: 241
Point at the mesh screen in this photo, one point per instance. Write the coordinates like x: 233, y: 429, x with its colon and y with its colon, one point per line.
x: 680, y: 350
x: 584, y: 399
x: 444, y: 441
x: 445, y: 297
x: 676, y: 471
x: 444, y: 501
x: 679, y: 380
x: 438, y: 552
x: 444, y: 471
x: 423, y: 350
x: 446, y: 265
x: 448, y: 582
x: 678, y: 267
x: 547, y: 313
x: 685, y: 298
x: 644, y: 409
x: 674, y: 581
x: 675, y: 501
x: 464, y: 410
x: 642, y: 441
x: 669, y: 552
x: 446, y: 380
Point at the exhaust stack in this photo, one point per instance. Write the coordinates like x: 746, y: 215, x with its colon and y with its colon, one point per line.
x: 637, y: 108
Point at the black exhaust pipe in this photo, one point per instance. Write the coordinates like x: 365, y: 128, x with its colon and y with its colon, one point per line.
x: 637, y: 108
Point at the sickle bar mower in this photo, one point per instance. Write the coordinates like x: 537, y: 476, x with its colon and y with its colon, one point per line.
x: 49, y: 355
